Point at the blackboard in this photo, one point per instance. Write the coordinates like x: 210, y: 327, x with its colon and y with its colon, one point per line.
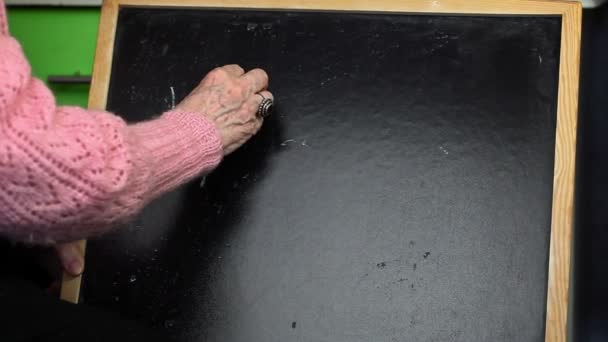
x: 402, y: 191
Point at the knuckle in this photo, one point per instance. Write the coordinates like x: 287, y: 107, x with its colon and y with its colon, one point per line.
x: 250, y: 128
x: 243, y: 85
x: 246, y: 115
x: 262, y: 74
x: 206, y: 80
x: 252, y: 107
x: 218, y: 72
x: 234, y: 68
x: 238, y: 92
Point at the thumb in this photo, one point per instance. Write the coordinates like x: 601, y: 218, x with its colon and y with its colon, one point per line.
x: 71, y: 257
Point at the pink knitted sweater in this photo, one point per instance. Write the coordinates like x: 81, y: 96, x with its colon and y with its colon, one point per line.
x: 68, y: 173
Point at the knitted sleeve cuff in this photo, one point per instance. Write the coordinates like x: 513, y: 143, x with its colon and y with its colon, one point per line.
x: 181, y: 146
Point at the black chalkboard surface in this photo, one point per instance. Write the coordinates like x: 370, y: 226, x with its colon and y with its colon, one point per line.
x: 400, y: 192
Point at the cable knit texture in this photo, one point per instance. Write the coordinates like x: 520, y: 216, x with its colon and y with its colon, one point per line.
x: 67, y: 173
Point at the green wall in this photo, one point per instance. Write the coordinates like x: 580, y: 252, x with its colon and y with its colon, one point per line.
x: 58, y: 41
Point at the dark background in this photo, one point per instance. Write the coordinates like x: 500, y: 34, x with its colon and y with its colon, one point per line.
x: 402, y: 190
x: 591, y: 252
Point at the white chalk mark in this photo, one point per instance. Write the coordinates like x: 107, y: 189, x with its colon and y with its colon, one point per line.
x: 444, y: 150
x: 304, y: 143
x: 203, y: 182
x: 172, y: 97
x: 286, y: 142
x: 540, y: 59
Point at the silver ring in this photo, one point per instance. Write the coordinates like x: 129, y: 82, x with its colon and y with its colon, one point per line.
x: 265, y: 107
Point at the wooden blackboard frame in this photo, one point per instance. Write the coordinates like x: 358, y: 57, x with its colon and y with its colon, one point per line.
x: 565, y: 145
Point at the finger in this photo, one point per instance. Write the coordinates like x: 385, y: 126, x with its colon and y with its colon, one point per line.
x: 266, y: 94
x: 251, y: 128
x: 252, y: 104
x: 257, y: 98
x: 71, y: 258
x: 234, y: 70
x: 256, y: 80
x: 257, y: 119
x: 258, y: 124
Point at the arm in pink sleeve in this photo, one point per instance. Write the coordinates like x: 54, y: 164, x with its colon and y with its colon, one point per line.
x: 67, y: 173
x: 3, y: 22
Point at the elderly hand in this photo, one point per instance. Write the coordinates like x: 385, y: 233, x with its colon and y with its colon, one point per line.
x: 227, y: 96
x: 230, y: 98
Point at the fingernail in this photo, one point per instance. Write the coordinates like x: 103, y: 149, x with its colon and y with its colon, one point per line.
x: 75, y: 267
